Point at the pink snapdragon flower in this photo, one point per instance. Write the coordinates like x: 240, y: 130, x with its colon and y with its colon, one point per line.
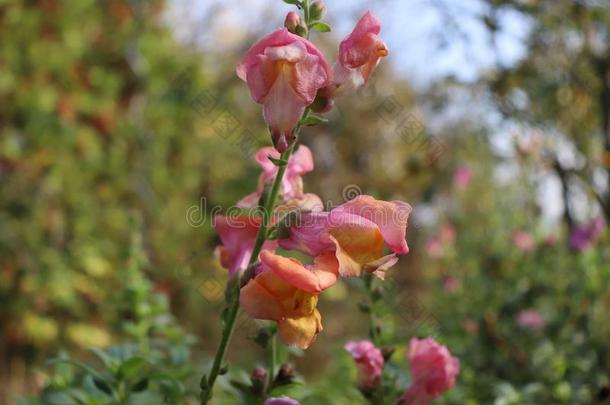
x: 530, y: 319
x: 462, y: 176
x: 370, y: 362
x: 524, y: 241
x: 299, y: 163
x: 283, y: 400
x: 238, y: 234
x: 359, y: 55
x: 433, y: 371
x: 355, y: 233
x: 284, y: 72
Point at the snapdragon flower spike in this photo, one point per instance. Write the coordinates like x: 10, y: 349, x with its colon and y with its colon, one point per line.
x: 238, y: 234
x: 359, y: 55
x: 299, y: 164
x: 283, y: 72
x: 354, y: 233
x: 433, y: 371
x: 369, y: 360
x: 286, y: 291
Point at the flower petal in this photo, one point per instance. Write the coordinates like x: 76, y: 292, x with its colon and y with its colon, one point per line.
x: 258, y: 302
x: 282, y: 110
x: 300, y: 332
x: 390, y: 216
x: 322, y: 276
x: 355, y: 49
x: 279, y: 37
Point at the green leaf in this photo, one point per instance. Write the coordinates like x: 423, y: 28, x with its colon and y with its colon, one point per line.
x: 223, y: 370
x: 104, y: 357
x: 140, y: 385
x: 102, y: 386
x: 171, y: 387
x: 312, y: 120
x: 132, y: 368
x: 78, y: 364
x: 277, y: 162
x: 320, y: 27
x: 203, y: 383
x: 295, y: 2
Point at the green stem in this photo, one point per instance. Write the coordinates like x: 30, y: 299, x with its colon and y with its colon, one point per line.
x: 306, y: 16
x: 368, y: 282
x: 233, y: 302
x: 272, y: 360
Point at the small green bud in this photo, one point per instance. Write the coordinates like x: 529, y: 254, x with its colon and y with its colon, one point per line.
x: 317, y: 10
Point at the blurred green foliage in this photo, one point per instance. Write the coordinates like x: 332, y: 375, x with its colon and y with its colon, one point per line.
x: 149, y: 368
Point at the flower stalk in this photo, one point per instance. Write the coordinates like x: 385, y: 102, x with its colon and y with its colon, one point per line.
x: 232, y: 310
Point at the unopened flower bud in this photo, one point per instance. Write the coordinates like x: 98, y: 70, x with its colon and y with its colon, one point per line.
x: 259, y: 380
x: 317, y: 10
x: 285, y: 375
x: 295, y: 24
x: 387, y: 352
x: 259, y: 374
x: 293, y: 19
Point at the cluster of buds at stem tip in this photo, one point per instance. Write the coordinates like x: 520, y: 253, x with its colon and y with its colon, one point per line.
x: 286, y: 73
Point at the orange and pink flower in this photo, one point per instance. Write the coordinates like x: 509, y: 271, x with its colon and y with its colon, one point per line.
x: 286, y: 291
x: 359, y: 54
x: 355, y: 233
x: 238, y: 234
x: 284, y: 72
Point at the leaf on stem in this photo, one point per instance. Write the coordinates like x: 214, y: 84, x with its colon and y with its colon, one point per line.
x: 312, y: 120
x: 277, y: 162
x: 295, y: 2
x: 320, y: 27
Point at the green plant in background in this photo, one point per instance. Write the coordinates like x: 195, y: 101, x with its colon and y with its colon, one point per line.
x: 150, y: 367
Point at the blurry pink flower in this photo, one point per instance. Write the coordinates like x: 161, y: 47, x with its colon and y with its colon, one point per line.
x: 530, y: 319
x: 550, y: 239
x: 369, y: 360
x: 283, y: 400
x: 451, y: 284
x: 355, y: 232
x: 470, y: 326
x: 238, y: 234
x: 524, y: 241
x: 283, y: 72
x: 433, y: 371
x: 300, y: 163
x: 448, y: 234
x: 434, y: 248
x: 462, y: 176
x: 359, y: 55
x: 584, y: 236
